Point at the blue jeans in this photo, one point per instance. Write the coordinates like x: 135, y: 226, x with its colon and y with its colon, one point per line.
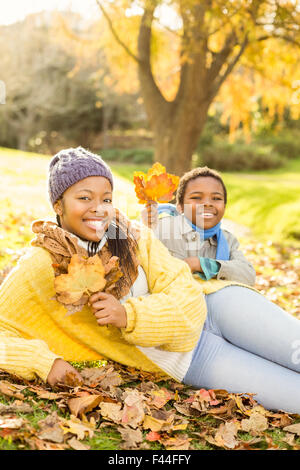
x: 248, y: 345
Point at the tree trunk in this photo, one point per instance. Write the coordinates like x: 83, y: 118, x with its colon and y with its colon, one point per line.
x: 23, y: 139
x: 176, y: 138
x: 176, y: 125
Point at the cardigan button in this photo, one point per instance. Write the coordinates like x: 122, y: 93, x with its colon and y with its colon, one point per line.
x: 194, y: 237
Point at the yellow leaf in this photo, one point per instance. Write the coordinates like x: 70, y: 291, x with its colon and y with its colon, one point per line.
x: 84, y: 277
x: 75, y: 426
x: 153, y: 423
x: 179, y: 427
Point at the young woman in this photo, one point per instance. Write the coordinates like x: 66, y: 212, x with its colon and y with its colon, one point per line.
x: 158, y: 318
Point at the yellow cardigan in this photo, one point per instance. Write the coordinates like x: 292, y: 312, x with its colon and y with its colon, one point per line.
x: 34, y: 329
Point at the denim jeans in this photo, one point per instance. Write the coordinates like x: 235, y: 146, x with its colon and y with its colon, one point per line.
x: 248, y: 345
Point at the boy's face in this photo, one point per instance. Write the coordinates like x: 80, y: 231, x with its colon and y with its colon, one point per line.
x: 204, y: 202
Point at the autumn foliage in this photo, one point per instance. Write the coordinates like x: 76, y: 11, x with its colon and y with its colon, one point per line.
x: 157, y: 185
x: 84, y: 277
x: 139, y: 409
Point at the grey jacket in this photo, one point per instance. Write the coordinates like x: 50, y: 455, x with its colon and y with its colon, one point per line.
x: 183, y: 242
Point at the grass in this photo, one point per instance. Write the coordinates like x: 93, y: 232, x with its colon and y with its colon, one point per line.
x: 271, y: 208
x: 126, y: 170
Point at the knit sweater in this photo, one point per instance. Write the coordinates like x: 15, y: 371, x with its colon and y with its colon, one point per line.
x: 35, y: 330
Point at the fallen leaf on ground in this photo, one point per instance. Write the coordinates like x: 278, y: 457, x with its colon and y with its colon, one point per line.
x: 39, y: 444
x: 185, y: 409
x: 11, y: 390
x: 51, y: 429
x: 176, y: 443
x: 77, y: 427
x: 111, y: 411
x: 281, y: 420
x: 11, y: 423
x: 160, y: 397
x: 153, y: 436
x: 293, y: 428
x: 133, y: 411
x: 45, y: 393
x: 84, y: 404
x: 13, y: 408
x: 104, y: 376
x: 226, y: 435
x: 159, y: 422
x: 131, y: 437
x: 77, y: 445
x: 289, y: 438
x: 255, y: 424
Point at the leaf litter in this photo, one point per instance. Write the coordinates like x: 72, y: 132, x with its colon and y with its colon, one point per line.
x: 146, y: 411
x: 143, y: 410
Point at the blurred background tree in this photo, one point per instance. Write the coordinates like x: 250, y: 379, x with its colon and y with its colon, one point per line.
x: 209, y: 39
x: 59, y: 88
x: 179, y: 81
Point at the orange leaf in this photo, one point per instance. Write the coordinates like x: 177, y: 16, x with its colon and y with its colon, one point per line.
x: 84, y: 404
x: 156, y: 185
x: 153, y: 436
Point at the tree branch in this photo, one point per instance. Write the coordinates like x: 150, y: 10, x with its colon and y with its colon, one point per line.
x: 220, y: 80
x: 278, y: 36
x: 114, y: 33
x: 220, y: 57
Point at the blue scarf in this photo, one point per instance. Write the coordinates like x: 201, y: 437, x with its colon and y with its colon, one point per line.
x: 222, y: 247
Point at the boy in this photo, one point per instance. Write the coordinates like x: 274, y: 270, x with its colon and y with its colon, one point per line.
x: 193, y: 233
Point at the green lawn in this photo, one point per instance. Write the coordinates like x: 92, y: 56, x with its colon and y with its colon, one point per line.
x: 267, y: 202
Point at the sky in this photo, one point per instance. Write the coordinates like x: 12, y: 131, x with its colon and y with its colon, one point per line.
x: 16, y: 10
x: 12, y: 11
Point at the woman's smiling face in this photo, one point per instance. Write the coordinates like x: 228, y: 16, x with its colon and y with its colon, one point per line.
x: 86, y: 208
x: 204, y: 201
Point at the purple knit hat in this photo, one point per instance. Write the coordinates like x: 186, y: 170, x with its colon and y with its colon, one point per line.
x: 71, y: 165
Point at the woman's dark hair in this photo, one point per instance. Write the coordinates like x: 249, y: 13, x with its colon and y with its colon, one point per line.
x: 192, y: 175
x: 121, y: 243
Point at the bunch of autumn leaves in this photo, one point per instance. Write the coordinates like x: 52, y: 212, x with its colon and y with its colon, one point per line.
x: 88, y: 275
x: 139, y: 411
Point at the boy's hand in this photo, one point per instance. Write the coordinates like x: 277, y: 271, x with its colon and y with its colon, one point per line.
x: 194, y: 264
x: 108, y: 310
x: 149, y: 215
x: 62, y: 372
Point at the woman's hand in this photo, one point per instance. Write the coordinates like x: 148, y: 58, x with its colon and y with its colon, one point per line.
x: 62, y: 372
x: 149, y: 214
x: 108, y: 310
x: 194, y: 264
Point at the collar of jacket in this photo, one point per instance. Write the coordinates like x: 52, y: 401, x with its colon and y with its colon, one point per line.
x: 185, y: 229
